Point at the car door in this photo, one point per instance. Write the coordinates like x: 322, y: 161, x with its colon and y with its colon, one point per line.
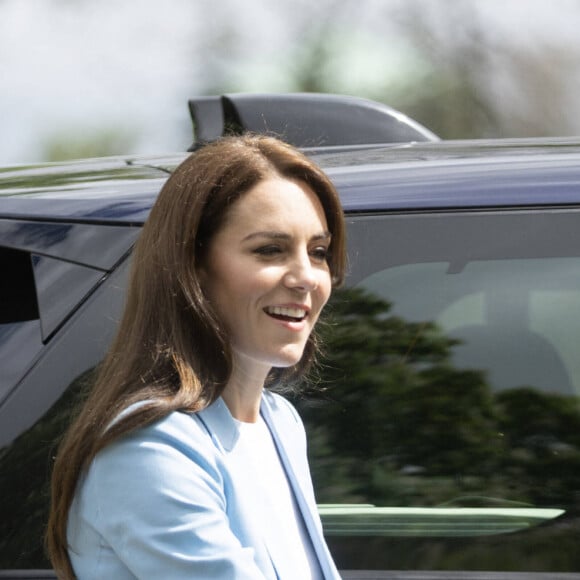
x: 445, y: 427
x: 61, y: 292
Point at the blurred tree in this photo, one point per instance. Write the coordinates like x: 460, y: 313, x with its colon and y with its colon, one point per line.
x: 451, y: 94
x: 448, y: 68
x: 399, y: 425
x: 542, y: 432
x: 101, y: 143
x: 479, y: 83
x: 396, y: 404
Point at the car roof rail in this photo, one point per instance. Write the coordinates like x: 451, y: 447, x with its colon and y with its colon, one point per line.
x: 303, y: 119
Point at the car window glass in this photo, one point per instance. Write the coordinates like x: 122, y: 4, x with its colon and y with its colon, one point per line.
x: 511, y: 318
x: 37, y: 294
x: 450, y: 422
x: 17, y: 293
x: 61, y: 287
x: 20, y: 336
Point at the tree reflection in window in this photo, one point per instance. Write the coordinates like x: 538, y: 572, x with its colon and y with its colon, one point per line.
x: 396, y: 424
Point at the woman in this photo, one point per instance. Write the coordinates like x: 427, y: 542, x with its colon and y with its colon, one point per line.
x: 181, y: 464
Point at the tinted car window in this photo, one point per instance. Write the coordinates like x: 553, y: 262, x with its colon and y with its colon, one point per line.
x: 20, y: 334
x: 449, y: 434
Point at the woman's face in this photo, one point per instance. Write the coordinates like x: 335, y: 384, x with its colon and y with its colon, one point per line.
x: 266, y: 272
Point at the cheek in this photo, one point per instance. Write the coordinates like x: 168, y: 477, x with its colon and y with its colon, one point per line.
x: 235, y: 286
x: 325, y: 289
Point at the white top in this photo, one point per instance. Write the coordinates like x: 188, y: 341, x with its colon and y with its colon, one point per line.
x: 286, y: 522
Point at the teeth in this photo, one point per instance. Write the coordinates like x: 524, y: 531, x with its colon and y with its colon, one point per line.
x: 284, y: 311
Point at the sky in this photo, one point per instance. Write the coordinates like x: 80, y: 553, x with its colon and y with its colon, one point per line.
x: 80, y: 67
x: 65, y: 67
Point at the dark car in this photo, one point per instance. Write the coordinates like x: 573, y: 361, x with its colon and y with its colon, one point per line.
x: 444, y: 427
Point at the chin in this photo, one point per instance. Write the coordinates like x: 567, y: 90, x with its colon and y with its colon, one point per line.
x: 288, y: 358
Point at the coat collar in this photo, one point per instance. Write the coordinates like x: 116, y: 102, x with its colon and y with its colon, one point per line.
x: 220, y: 424
x: 225, y: 430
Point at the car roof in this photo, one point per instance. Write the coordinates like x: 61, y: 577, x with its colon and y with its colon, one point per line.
x: 459, y: 174
x: 413, y: 176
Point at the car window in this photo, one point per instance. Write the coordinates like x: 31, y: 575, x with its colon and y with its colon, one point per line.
x: 20, y: 332
x: 447, y: 434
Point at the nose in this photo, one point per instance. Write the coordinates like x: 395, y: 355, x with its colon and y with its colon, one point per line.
x: 301, y: 274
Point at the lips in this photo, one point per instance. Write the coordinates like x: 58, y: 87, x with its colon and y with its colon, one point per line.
x: 287, y: 313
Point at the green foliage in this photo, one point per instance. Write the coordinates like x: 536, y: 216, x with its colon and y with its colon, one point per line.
x: 542, y: 434
x: 102, y: 143
x: 450, y: 67
x: 397, y: 424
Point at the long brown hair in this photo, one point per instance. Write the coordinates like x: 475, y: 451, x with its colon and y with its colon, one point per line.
x: 171, y: 350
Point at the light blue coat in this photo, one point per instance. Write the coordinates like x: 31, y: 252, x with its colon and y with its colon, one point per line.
x: 172, y: 502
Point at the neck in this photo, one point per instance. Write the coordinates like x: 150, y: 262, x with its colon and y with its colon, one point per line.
x: 243, y: 393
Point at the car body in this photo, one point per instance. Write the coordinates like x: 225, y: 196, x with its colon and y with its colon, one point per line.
x: 444, y: 428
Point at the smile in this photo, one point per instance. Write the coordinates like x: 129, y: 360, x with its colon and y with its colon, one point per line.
x: 288, y: 313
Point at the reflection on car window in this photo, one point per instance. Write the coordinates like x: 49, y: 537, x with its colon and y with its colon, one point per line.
x: 25, y: 467
x: 511, y: 317
x: 451, y: 410
x: 19, y: 344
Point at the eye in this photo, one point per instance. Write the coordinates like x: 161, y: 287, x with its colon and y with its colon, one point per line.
x: 269, y: 250
x: 320, y: 253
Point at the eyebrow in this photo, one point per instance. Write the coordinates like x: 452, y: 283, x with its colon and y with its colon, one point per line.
x: 282, y: 236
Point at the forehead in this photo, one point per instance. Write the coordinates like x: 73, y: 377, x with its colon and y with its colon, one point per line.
x: 277, y: 199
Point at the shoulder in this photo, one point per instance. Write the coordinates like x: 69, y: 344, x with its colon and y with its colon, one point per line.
x: 175, y: 426
x: 163, y: 447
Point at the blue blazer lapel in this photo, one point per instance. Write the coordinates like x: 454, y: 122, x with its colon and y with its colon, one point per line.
x: 311, y: 520
x: 224, y: 432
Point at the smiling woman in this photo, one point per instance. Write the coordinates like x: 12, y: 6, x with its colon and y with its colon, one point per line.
x: 181, y: 464
x: 266, y: 274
